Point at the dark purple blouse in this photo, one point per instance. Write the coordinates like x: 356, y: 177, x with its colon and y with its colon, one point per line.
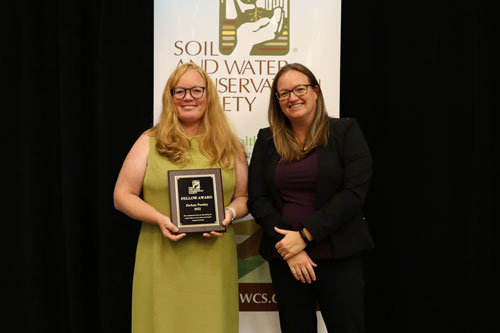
x: 296, y: 182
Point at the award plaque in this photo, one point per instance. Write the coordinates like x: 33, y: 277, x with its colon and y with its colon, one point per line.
x: 196, y: 200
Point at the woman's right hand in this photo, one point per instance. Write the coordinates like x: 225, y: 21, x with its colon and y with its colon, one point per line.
x: 302, y: 267
x: 169, y: 230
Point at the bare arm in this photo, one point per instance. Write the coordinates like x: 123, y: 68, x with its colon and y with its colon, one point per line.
x: 240, y: 196
x: 128, y: 187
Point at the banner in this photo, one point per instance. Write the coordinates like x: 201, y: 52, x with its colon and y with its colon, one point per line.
x: 242, y: 44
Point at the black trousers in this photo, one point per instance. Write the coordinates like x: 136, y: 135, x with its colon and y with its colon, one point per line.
x: 338, y: 290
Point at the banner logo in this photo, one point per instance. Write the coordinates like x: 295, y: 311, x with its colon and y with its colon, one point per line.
x: 254, y: 27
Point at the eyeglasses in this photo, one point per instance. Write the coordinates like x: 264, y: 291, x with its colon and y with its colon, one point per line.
x: 196, y: 92
x: 298, y: 91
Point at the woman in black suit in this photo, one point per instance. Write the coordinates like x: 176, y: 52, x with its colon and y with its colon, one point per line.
x: 308, y: 179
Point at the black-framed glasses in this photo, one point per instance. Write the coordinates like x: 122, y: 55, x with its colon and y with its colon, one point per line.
x: 298, y: 91
x: 196, y: 92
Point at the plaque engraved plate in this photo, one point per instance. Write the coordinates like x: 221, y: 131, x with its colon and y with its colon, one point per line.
x: 196, y: 200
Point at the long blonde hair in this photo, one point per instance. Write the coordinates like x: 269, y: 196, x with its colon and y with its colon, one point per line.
x: 216, y: 137
x: 284, y: 138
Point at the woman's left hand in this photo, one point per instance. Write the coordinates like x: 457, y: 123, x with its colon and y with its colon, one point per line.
x: 228, y: 216
x: 291, y: 244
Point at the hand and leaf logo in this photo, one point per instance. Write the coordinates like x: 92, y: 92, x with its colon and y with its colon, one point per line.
x: 254, y: 27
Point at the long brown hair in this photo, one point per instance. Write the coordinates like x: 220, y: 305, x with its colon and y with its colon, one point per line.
x: 216, y: 136
x: 284, y: 138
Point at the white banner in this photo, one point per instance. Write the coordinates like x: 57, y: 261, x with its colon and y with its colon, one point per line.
x: 242, y: 44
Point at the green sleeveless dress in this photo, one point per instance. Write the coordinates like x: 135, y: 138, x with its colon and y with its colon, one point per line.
x: 190, y: 285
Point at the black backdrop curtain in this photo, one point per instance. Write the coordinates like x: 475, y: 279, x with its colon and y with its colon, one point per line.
x: 78, y: 91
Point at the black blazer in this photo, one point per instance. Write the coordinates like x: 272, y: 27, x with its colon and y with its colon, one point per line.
x: 345, y: 169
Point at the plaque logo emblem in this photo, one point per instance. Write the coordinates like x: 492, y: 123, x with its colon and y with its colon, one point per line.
x: 254, y: 27
x: 195, y: 187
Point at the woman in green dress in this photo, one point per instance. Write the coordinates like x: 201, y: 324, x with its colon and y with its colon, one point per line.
x: 184, y: 282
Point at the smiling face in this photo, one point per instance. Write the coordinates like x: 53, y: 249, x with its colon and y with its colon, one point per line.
x: 190, y: 111
x: 299, y: 110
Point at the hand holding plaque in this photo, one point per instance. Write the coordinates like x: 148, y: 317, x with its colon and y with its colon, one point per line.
x: 196, y: 200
